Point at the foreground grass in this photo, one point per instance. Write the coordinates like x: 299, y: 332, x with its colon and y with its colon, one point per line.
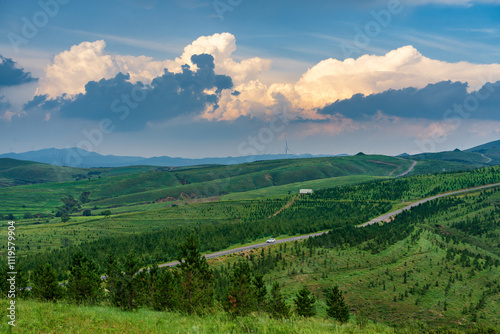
x: 39, y: 317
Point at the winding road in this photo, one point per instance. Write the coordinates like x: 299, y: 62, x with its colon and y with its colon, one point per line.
x: 371, y: 222
x: 487, y: 158
x: 414, y: 163
x: 394, y: 213
x: 245, y: 248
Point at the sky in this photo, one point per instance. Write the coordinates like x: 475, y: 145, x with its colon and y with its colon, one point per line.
x: 196, y: 78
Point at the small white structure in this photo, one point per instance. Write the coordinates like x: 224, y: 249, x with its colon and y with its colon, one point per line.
x: 306, y: 191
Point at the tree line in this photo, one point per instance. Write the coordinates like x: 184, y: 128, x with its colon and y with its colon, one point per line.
x: 188, y: 288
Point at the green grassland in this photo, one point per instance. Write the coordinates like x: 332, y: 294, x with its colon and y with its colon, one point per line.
x: 449, y: 161
x: 294, y: 188
x: 437, y: 265
x: 20, y: 172
x: 36, y: 236
x: 356, y: 203
x: 168, y: 185
x: 39, y: 317
x: 466, y: 157
x: 445, y: 272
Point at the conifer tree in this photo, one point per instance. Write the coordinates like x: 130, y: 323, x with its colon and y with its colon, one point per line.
x: 124, y: 282
x: 162, y: 284
x: 337, y: 308
x: 21, y: 281
x: 260, y: 291
x: 242, y: 297
x: 45, y: 285
x: 196, y: 286
x: 84, y: 283
x: 276, y: 305
x: 304, y: 302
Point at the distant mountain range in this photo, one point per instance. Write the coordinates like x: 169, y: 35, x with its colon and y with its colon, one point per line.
x: 75, y: 157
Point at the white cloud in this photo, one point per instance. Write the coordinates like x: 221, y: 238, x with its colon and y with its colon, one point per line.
x: 320, y: 85
x: 89, y: 61
x: 332, y: 80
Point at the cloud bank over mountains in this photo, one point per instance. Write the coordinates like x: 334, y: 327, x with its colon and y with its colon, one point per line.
x: 84, y: 81
x: 209, y: 92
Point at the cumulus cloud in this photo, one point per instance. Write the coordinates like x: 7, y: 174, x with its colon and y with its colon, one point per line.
x: 320, y: 86
x: 221, y: 47
x: 89, y: 61
x: 11, y: 75
x: 132, y: 105
x: 334, y: 80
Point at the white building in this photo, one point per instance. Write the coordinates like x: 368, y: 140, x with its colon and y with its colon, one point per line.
x: 306, y: 191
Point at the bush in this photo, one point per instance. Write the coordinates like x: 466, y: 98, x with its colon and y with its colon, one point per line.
x: 64, y: 217
x: 87, y: 212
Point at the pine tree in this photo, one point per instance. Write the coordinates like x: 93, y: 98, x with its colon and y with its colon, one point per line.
x: 162, y: 288
x: 45, y: 283
x: 84, y: 283
x: 337, y: 308
x: 124, y: 283
x: 260, y: 291
x: 196, y: 286
x: 242, y: 297
x: 276, y: 305
x: 22, y: 278
x: 304, y: 302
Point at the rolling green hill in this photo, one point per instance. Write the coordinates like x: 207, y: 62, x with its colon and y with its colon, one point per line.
x: 20, y: 172
x: 437, y: 264
x: 462, y: 157
x: 489, y: 150
x: 167, y: 184
x: 449, y: 161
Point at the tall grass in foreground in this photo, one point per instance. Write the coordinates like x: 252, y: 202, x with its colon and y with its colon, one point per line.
x: 39, y: 317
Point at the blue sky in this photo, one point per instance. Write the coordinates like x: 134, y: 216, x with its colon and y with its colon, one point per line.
x: 268, y: 59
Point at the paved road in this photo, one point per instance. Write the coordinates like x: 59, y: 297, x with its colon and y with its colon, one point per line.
x: 245, y: 248
x: 414, y: 163
x: 487, y: 158
x: 391, y: 214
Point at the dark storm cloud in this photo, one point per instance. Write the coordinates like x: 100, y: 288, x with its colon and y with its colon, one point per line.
x: 430, y: 102
x: 10, y: 75
x: 132, y: 105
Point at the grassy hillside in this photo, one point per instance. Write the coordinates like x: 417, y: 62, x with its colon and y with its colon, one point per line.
x: 446, y: 272
x: 154, y: 229
x: 438, y: 265
x: 39, y: 317
x: 20, y: 172
x: 449, y: 161
x: 166, y: 184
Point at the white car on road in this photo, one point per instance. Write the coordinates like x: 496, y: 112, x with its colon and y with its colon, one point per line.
x: 270, y: 241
